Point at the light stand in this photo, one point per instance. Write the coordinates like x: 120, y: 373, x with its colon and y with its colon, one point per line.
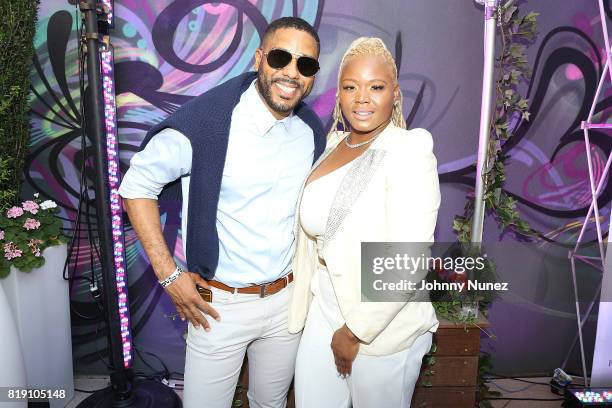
x: 124, y: 391
x: 486, y: 109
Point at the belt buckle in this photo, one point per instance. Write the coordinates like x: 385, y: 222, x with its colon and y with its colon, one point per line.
x: 262, y: 290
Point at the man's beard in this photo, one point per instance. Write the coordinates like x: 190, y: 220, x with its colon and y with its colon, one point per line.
x: 265, y: 90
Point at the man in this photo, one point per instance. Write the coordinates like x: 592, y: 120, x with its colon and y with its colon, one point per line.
x: 242, y: 151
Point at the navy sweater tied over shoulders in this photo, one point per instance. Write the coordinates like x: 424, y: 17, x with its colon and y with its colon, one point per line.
x: 205, y: 121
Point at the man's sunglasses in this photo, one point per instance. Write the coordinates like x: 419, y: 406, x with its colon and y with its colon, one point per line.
x: 278, y: 59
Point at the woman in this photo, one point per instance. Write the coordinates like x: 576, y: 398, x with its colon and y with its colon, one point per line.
x: 377, y: 182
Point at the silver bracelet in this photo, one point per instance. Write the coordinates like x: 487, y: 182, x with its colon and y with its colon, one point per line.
x: 174, y: 276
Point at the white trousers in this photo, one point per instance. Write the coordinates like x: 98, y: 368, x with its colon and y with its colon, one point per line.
x: 249, y: 324
x: 375, y: 381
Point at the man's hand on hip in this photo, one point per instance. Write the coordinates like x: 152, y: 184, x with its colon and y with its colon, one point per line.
x: 188, y: 302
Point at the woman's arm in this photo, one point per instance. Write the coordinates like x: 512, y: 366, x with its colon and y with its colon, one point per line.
x: 412, y: 199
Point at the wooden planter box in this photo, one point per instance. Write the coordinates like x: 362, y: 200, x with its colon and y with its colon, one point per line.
x: 450, y: 371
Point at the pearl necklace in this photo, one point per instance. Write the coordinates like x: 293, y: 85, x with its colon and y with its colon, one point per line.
x: 354, y: 146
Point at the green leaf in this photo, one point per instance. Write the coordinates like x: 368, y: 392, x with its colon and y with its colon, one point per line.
x: 516, y: 50
x: 457, y: 223
x: 497, y: 195
x: 525, y: 115
x: 530, y: 17
x: 515, y: 76
x: 5, y: 269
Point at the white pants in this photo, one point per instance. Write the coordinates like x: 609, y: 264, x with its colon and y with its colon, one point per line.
x: 248, y: 324
x: 375, y: 381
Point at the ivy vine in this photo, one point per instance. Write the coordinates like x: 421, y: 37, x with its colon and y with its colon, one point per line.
x: 516, y: 33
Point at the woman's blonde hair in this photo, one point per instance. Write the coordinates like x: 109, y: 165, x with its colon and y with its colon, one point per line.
x: 369, y: 46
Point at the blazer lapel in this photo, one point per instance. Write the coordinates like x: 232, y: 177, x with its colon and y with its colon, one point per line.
x: 353, y: 184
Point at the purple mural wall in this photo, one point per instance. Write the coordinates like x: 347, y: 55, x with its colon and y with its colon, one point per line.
x: 168, y: 51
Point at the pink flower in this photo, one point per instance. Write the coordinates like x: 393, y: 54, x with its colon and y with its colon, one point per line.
x: 31, y: 224
x: 30, y: 206
x: 11, y: 251
x: 33, y: 244
x: 14, y: 212
x: 1, y: 234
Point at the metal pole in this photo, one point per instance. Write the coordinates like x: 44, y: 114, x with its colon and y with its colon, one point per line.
x: 486, y: 109
x: 579, y: 320
x: 96, y: 129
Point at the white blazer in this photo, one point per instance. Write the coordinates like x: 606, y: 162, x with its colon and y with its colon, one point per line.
x: 390, y: 194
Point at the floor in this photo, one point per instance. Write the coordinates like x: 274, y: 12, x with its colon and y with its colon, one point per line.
x: 509, y: 388
x: 517, y: 389
x: 93, y: 382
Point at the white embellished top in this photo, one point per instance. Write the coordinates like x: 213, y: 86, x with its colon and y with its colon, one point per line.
x: 316, y: 204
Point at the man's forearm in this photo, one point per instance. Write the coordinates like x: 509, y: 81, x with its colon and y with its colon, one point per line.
x: 144, y: 217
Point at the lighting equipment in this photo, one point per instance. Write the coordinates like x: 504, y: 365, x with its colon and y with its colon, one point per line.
x: 125, y: 390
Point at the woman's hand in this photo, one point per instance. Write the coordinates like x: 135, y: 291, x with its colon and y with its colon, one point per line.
x: 345, y: 346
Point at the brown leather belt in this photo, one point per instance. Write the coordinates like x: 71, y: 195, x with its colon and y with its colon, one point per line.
x: 263, y: 290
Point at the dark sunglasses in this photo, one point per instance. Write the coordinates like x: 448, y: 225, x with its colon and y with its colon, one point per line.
x: 278, y: 58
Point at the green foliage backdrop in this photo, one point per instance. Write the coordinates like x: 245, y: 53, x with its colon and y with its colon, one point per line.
x: 16, y: 49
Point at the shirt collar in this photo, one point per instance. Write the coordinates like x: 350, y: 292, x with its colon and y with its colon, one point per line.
x: 260, y: 116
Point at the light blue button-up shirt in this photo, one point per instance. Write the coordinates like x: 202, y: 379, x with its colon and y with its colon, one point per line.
x: 267, y: 161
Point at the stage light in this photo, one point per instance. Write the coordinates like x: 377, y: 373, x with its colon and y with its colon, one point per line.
x: 110, y: 15
x: 589, y: 397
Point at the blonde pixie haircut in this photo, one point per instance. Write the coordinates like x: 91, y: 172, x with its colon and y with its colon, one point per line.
x: 369, y: 46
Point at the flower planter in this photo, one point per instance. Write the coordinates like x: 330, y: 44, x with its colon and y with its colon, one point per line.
x: 13, y: 372
x: 40, y: 304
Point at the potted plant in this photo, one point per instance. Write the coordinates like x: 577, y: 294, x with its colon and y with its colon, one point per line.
x: 33, y: 254
x: 25, y: 232
x: 463, y: 303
